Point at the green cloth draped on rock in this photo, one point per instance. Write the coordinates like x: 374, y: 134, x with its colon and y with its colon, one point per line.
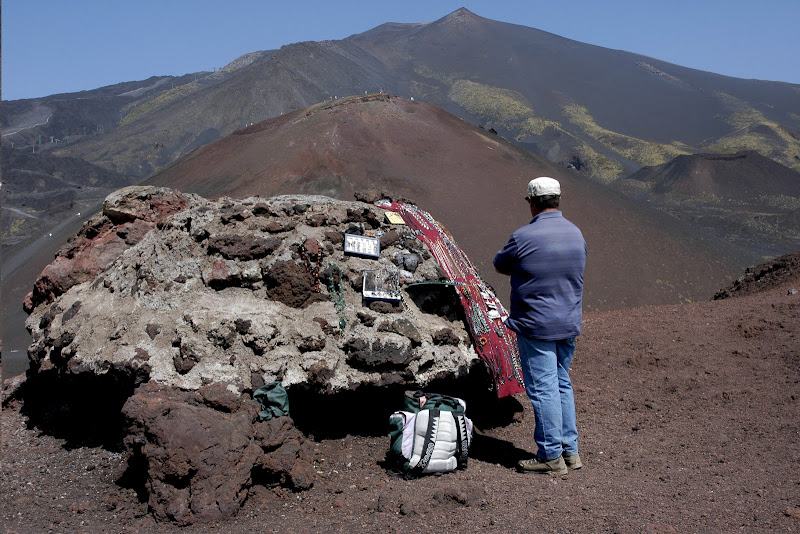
x: 274, y: 401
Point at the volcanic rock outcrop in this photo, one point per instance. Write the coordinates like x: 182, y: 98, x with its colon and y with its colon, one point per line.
x: 201, y: 303
x: 764, y: 276
x: 250, y: 291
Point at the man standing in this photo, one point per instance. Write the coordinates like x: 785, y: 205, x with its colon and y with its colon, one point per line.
x: 545, y: 260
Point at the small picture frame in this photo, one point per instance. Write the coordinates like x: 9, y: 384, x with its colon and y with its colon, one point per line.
x: 394, y: 218
x: 381, y: 284
x: 361, y: 245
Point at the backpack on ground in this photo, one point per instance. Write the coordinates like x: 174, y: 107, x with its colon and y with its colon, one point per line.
x: 431, y: 435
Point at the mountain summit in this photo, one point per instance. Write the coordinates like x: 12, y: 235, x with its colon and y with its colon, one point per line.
x: 606, y: 112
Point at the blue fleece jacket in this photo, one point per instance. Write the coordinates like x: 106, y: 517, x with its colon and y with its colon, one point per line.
x: 546, y: 259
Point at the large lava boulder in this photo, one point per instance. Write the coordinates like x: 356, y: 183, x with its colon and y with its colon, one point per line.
x: 202, y: 302
x: 251, y: 291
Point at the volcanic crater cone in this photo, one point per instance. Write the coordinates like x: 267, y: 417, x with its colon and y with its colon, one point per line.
x: 471, y: 180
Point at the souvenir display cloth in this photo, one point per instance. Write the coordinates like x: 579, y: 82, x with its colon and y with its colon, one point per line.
x: 494, y: 342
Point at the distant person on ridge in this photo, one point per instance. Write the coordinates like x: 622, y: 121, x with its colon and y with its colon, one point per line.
x: 545, y: 260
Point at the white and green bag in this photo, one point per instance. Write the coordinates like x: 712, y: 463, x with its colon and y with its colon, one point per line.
x: 432, y: 435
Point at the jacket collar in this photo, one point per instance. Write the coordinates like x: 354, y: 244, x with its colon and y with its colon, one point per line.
x: 546, y: 215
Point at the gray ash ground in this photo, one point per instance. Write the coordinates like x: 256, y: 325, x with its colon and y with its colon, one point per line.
x: 689, y: 421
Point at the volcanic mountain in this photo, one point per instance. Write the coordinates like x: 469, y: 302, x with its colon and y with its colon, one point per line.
x: 607, y: 112
x: 470, y: 179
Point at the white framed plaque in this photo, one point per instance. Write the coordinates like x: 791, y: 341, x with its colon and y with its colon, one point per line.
x: 362, y: 245
x: 381, y: 284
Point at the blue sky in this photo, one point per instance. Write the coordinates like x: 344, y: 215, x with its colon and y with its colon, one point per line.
x: 58, y: 46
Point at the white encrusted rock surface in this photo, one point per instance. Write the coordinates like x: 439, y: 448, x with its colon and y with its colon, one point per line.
x: 244, y: 292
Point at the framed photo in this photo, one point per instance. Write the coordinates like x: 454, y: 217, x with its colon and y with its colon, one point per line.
x: 362, y: 245
x: 382, y: 284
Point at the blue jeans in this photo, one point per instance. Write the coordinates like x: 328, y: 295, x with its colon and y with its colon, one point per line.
x: 545, y: 368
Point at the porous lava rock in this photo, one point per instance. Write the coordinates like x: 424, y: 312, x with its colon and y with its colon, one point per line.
x: 128, y: 214
x: 201, y: 449
x: 764, y: 276
x: 206, y: 296
x: 213, y: 299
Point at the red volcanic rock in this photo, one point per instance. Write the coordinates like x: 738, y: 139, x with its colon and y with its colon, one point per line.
x: 312, y: 247
x: 142, y: 203
x: 85, y: 258
x: 128, y: 215
x: 774, y: 273
x: 289, y: 283
x: 201, y: 450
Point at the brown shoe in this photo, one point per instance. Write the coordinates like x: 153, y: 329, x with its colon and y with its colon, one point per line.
x: 545, y: 467
x: 573, y: 461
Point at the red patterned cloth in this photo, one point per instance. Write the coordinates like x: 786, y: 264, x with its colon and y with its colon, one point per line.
x: 494, y: 342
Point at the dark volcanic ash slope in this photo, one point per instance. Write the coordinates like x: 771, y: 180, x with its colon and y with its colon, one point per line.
x: 45, y: 199
x: 39, y: 190
x: 745, y: 196
x: 470, y: 180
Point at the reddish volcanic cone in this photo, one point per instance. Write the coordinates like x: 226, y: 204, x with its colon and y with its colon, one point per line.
x: 469, y: 179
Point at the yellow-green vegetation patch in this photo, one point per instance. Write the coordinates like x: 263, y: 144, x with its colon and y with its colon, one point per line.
x: 535, y: 126
x: 135, y: 110
x: 680, y: 145
x: 427, y: 72
x: 764, y: 144
x: 646, y: 153
x: 510, y: 109
x: 601, y: 167
x: 16, y: 228
x: 780, y: 202
x: 745, y: 119
x: 503, y: 107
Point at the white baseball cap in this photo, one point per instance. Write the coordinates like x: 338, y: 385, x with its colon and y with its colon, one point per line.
x: 543, y: 186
